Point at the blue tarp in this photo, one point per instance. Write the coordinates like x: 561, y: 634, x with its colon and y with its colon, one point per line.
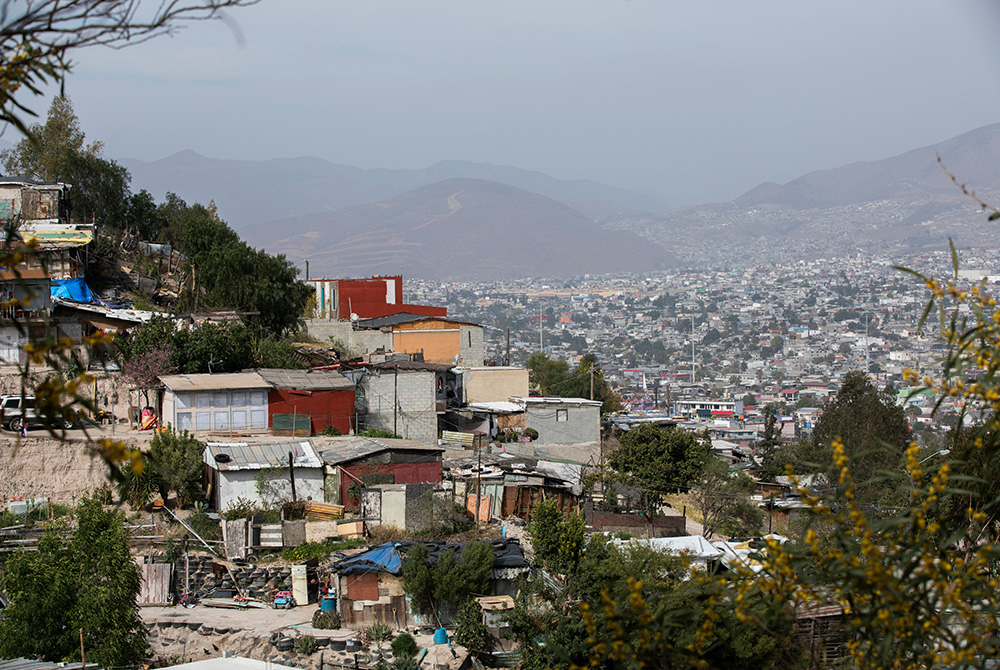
x: 71, y: 289
x: 383, y: 558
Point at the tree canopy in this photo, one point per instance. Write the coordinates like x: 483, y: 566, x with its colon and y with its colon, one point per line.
x: 552, y: 377
x: 85, y: 580
x: 874, y: 432
x: 659, y: 460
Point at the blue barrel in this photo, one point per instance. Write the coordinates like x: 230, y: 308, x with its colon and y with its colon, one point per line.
x: 441, y: 636
x: 328, y: 604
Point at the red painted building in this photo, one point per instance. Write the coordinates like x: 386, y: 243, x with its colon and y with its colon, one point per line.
x: 368, y: 298
x: 364, y: 461
x: 325, y: 396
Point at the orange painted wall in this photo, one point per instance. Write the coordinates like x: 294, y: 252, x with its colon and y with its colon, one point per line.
x: 439, y: 346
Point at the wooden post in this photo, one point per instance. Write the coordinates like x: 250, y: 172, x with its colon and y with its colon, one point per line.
x: 83, y: 658
x: 291, y: 473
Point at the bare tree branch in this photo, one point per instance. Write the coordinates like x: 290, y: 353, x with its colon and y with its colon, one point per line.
x: 37, y: 37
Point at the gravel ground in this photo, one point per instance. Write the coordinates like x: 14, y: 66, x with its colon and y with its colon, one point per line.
x: 255, y: 620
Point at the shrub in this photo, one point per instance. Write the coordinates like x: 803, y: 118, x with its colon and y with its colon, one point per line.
x: 320, y: 550
x: 306, y: 645
x: 379, y: 632
x: 326, y: 620
x: 404, y: 646
x: 206, y: 527
x: 380, y: 432
x: 531, y: 433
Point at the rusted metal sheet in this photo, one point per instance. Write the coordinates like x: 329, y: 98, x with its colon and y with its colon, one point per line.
x: 155, y: 589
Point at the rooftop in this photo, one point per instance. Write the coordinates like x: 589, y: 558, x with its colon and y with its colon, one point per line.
x: 246, y: 456
x: 305, y: 380
x: 210, y: 382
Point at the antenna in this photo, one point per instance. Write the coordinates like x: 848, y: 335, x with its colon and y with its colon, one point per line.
x: 212, y: 361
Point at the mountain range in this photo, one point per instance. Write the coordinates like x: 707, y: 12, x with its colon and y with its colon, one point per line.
x: 458, y: 229
x: 251, y: 192
x: 460, y: 220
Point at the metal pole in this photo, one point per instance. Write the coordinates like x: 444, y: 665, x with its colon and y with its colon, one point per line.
x: 479, y: 483
x: 395, y: 401
x: 291, y: 474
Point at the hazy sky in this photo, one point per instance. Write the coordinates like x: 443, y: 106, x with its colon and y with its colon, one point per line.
x: 689, y: 101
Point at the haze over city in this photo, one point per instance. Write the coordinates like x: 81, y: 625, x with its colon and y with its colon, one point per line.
x: 687, y: 102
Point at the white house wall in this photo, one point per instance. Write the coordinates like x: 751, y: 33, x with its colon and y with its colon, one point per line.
x: 235, y: 484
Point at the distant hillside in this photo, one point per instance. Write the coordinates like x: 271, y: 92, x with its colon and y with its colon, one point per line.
x: 457, y: 229
x: 891, y: 207
x: 251, y: 192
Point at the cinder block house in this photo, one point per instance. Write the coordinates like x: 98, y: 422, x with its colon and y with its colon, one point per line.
x: 355, y: 463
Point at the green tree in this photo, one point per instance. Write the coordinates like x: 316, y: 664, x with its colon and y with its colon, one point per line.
x: 418, y: 578
x: 470, y: 631
x: 658, y: 461
x: 724, y: 501
x: 101, y: 190
x: 86, y: 580
x: 770, y: 465
x: 177, y: 460
x: 545, y: 529
x: 44, y: 153
x: 875, y: 433
x: 545, y: 374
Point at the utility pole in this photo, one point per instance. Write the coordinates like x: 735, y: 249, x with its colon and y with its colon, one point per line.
x: 479, y: 482
x: 541, y: 344
x: 591, y: 381
x: 395, y: 400
x: 508, y: 346
x: 694, y: 375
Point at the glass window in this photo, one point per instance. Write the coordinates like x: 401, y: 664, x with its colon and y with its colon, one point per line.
x: 184, y: 401
x: 239, y: 418
x: 562, y: 415
x: 203, y: 421
x: 258, y: 418
x: 222, y: 420
x: 258, y: 398
x: 239, y: 399
x: 220, y: 399
x: 202, y: 399
x: 184, y: 421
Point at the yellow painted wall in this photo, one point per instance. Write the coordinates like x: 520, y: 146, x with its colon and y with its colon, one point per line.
x: 494, y: 384
x: 439, y: 345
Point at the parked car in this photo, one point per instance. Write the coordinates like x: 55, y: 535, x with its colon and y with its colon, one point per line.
x: 17, y: 409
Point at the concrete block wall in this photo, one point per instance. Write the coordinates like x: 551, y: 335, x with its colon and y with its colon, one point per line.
x: 357, y: 341
x: 470, y: 346
x: 413, y: 392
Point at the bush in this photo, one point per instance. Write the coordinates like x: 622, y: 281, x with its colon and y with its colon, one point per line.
x: 320, y: 550
x: 379, y: 432
x: 404, y: 646
x: 379, y: 632
x: 206, y: 527
x: 306, y: 645
x: 326, y: 620
x: 531, y: 433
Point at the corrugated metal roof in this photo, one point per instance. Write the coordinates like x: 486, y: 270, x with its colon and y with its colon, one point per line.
x: 23, y: 273
x: 552, y: 400
x: 306, y: 380
x: 413, y: 365
x: 203, y: 382
x: 359, y: 447
x: 244, y: 456
x: 26, y: 664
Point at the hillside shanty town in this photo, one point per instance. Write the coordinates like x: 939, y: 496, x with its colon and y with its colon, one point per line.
x: 307, y: 485
x: 289, y: 414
